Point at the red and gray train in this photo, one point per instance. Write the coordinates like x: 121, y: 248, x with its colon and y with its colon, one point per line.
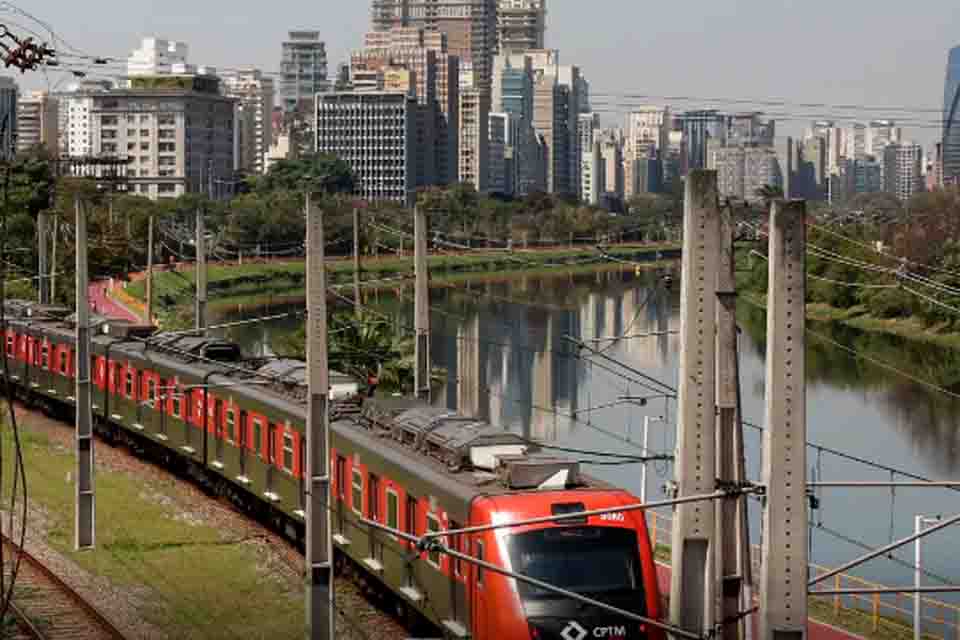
x: 238, y: 427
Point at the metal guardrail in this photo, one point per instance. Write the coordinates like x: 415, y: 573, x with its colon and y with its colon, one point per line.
x: 889, y: 613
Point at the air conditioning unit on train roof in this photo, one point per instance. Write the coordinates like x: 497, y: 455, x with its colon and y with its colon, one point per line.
x: 538, y: 472
x: 456, y: 441
x: 123, y: 329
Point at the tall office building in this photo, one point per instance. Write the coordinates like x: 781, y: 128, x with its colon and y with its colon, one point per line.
x: 470, y: 27
x: 903, y: 169
x: 437, y: 89
x: 513, y: 95
x: 157, y: 56
x: 521, y: 24
x: 375, y: 133
x: 254, y: 93
x: 8, y: 117
x: 592, y: 179
x: 699, y: 127
x: 950, y: 165
x: 880, y: 133
x: 648, y: 135
x: 177, y: 130
x: 38, y: 122
x: 303, y: 70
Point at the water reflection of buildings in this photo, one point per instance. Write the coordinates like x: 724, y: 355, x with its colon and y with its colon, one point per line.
x: 513, y: 367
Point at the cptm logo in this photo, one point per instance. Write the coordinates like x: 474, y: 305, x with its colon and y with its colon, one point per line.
x: 574, y: 631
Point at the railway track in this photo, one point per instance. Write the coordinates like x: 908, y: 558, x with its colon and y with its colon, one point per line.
x: 46, y: 608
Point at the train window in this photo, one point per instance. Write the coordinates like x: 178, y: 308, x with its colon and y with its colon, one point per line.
x: 591, y: 560
x: 129, y: 385
x: 341, y: 477
x: 258, y: 435
x: 433, y: 526
x: 288, y: 451
x: 63, y: 367
x: 177, y: 396
x: 272, y: 444
x: 393, y: 509
x: 152, y: 393
x: 480, y: 558
x: 358, y: 491
x: 45, y: 356
x: 373, y: 501
x: 231, y: 424
x: 9, y: 344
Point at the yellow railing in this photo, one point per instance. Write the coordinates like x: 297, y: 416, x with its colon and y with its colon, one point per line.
x: 888, y: 613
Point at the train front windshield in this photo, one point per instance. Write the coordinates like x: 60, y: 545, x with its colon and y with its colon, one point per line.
x: 594, y: 561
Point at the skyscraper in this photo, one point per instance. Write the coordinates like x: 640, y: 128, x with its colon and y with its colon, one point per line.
x: 470, y: 27
x: 521, y: 24
x: 303, y: 67
x: 255, y: 94
x: 902, y: 169
x: 8, y: 117
x: 951, y: 119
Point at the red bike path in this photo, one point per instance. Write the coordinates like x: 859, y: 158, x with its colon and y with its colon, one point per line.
x: 102, y: 304
x: 815, y: 630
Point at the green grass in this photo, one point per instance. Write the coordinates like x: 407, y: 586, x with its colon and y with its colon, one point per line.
x: 230, y: 285
x: 196, y: 581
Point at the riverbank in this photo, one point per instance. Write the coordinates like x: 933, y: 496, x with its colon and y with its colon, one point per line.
x: 230, y: 285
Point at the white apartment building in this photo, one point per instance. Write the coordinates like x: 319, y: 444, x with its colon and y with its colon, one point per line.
x: 474, y: 137
x: 38, y: 122
x: 254, y: 93
x: 156, y: 56
x: 375, y: 133
x: 178, y: 132
x: 592, y: 179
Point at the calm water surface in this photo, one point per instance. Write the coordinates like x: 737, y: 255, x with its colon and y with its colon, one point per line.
x: 509, y: 337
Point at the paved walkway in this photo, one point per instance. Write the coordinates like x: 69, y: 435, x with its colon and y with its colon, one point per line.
x: 815, y: 630
x: 101, y: 303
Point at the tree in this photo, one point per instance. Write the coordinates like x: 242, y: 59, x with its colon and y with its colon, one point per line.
x: 768, y: 193
x: 320, y: 173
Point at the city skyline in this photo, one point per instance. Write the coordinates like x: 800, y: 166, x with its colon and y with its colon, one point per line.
x: 596, y: 41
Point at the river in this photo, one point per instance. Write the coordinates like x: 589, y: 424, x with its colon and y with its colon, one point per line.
x: 531, y: 382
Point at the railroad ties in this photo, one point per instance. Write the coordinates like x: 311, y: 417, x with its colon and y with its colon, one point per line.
x: 46, y: 608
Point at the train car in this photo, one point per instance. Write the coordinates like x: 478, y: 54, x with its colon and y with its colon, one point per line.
x: 420, y: 469
x: 196, y: 405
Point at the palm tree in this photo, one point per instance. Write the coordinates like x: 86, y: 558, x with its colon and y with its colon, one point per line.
x: 768, y: 193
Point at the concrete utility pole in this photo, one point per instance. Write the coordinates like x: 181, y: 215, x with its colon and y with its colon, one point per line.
x: 321, y: 621
x: 784, y: 570
x: 84, y: 509
x: 730, y: 580
x: 468, y: 367
x: 149, y: 292
x: 53, y: 258
x: 692, y: 592
x: 357, y: 302
x: 43, y: 267
x: 201, y: 275
x: 421, y: 309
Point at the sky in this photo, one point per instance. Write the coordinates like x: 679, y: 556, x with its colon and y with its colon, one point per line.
x: 836, y: 52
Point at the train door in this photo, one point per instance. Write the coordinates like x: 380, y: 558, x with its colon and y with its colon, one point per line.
x: 271, y: 455
x: 478, y: 597
x: 458, y: 589
x: 242, y: 441
x: 410, y: 527
x: 373, y: 508
x: 218, y: 436
x: 341, y: 479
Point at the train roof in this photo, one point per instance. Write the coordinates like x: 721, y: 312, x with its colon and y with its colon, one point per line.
x: 471, y: 454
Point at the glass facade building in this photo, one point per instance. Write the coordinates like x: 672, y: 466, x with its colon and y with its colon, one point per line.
x: 951, y: 119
